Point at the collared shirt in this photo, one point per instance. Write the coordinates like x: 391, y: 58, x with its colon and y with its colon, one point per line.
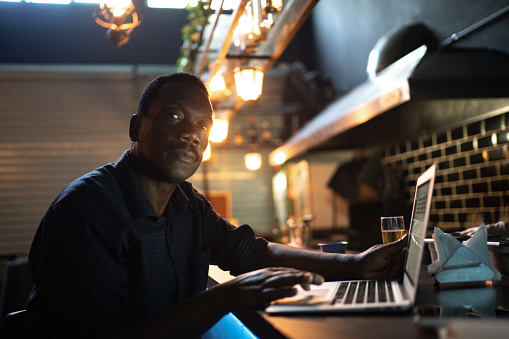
x: 102, y: 257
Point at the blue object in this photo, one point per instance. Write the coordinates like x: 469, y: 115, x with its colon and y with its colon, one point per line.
x: 229, y: 327
x: 334, y: 247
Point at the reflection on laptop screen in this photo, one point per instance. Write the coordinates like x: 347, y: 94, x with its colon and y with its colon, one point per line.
x: 416, y: 240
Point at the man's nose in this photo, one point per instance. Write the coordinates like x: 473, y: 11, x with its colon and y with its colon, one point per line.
x: 190, y: 133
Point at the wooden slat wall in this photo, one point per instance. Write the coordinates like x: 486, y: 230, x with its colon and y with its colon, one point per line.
x: 54, y: 127
x: 251, y: 191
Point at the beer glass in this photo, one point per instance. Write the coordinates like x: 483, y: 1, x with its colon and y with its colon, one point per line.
x: 393, y: 228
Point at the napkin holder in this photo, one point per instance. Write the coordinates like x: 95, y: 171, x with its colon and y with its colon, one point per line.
x: 459, y: 263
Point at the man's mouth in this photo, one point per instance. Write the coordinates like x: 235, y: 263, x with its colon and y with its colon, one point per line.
x: 185, y: 156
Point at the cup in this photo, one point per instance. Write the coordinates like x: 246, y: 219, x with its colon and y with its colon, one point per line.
x: 393, y: 228
x: 333, y: 247
x: 299, y: 235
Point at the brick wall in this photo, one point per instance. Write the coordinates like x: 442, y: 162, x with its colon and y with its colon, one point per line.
x: 472, y: 183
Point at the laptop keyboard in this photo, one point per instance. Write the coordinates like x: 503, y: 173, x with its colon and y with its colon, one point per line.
x: 360, y: 292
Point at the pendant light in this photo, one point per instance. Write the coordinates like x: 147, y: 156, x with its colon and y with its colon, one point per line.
x: 119, y: 17
x: 248, y: 82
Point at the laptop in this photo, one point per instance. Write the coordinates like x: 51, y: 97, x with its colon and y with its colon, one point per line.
x: 371, y: 295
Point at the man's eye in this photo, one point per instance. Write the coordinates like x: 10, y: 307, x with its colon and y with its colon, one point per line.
x: 204, y: 125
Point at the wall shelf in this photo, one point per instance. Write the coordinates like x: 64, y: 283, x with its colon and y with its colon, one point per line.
x: 219, y: 54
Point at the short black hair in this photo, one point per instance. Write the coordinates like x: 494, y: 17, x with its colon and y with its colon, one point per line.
x: 149, y: 95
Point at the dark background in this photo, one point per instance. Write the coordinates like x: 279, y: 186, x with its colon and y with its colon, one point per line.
x: 67, y: 34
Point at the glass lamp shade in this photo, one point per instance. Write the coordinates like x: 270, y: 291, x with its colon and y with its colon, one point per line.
x: 217, y: 83
x: 119, y: 17
x: 249, y: 83
x: 117, y: 7
x: 249, y: 22
x: 250, y: 29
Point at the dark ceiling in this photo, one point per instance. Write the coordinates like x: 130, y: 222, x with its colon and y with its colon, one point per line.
x: 44, y: 33
x: 67, y: 34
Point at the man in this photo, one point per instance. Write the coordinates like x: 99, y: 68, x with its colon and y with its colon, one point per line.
x: 124, y: 251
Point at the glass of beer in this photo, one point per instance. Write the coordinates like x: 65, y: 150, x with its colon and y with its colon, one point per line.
x: 393, y: 228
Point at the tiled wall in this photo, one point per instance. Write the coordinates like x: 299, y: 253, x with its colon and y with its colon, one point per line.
x: 472, y: 183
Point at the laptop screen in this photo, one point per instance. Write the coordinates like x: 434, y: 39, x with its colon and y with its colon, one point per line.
x: 417, y: 233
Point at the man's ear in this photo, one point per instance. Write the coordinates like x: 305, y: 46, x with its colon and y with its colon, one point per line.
x: 134, y: 127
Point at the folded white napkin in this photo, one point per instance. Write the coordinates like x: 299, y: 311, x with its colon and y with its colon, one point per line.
x: 462, y: 262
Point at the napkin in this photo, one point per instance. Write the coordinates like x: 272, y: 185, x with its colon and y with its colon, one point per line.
x: 462, y: 262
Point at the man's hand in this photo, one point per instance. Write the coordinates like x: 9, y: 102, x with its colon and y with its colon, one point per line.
x: 383, y: 261
x: 194, y: 316
x: 498, y: 228
x: 258, y: 288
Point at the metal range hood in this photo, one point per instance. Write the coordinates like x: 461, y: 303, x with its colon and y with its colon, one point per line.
x: 420, y: 75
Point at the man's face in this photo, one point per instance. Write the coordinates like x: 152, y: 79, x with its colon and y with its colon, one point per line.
x: 174, y: 134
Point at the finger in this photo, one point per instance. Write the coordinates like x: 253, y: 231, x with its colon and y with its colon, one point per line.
x: 398, y: 244
x: 273, y: 293
x: 293, y: 278
x: 389, y: 249
x: 403, y: 240
x: 467, y: 232
x: 307, y: 286
x: 317, y: 280
x: 282, y: 270
x: 283, y: 279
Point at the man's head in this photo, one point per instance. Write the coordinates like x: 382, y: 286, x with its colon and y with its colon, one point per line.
x: 170, y: 131
x: 150, y: 94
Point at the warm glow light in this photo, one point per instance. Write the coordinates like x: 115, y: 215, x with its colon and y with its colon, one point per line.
x: 248, y: 22
x: 253, y: 161
x: 243, y: 26
x: 273, y: 5
x: 249, y: 83
x: 118, y: 7
x: 207, y: 154
x: 119, y: 17
x: 217, y: 83
x: 268, y: 22
x: 278, y: 158
x: 280, y: 182
x: 219, y: 130
x: 248, y: 30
